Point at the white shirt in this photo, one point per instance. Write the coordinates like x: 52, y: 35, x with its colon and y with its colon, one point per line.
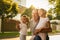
x: 32, y: 25
x: 23, y: 29
x: 42, y: 23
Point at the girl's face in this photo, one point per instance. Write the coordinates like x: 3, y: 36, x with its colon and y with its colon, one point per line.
x: 23, y: 19
x: 40, y: 12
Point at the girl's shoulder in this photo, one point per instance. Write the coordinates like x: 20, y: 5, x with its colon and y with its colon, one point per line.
x: 47, y: 19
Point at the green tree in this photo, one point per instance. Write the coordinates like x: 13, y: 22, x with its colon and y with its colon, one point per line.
x: 51, y: 14
x: 13, y: 12
x: 7, y: 10
x: 28, y: 11
x: 56, y: 4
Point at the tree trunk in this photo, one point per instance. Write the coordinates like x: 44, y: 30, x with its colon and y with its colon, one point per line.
x: 2, y: 24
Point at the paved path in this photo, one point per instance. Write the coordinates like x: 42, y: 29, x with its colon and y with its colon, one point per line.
x: 54, y: 37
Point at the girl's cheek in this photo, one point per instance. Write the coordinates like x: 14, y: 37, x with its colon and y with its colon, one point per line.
x: 25, y: 20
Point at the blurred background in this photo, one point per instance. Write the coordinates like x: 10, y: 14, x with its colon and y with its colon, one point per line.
x: 11, y: 11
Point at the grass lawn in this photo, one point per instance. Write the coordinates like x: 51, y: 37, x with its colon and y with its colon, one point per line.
x: 10, y: 34
x: 16, y: 34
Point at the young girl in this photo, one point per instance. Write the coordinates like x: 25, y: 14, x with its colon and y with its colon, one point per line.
x: 43, y: 23
x: 23, y: 27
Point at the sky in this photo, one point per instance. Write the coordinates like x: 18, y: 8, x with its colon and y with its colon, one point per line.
x: 38, y: 4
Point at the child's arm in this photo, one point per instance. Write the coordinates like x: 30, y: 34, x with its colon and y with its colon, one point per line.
x: 36, y: 31
x: 18, y: 27
x: 48, y: 25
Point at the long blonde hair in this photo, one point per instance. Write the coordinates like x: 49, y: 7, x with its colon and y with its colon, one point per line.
x: 44, y: 11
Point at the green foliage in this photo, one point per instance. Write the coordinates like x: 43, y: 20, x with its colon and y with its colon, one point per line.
x: 50, y: 17
x: 28, y: 12
x: 9, y: 35
x: 7, y: 9
x: 58, y: 17
x: 4, y: 7
x: 51, y: 1
x: 13, y: 11
x: 50, y: 10
x: 56, y: 4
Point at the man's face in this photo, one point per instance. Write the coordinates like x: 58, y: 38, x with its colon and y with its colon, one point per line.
x: 35, y: 14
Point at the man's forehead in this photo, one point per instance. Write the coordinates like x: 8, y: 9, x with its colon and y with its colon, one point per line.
x: 34, y: 11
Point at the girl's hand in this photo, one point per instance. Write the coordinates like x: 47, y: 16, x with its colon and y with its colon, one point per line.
x: 18, y: 27
x: 36, y: 31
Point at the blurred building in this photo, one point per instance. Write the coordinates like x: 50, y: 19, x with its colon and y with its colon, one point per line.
x: 22, y: 6
x: 23, y: 2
